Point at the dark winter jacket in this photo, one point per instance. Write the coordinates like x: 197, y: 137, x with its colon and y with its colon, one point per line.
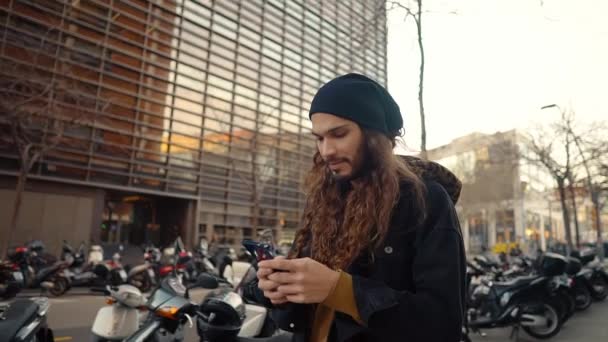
x: 413, y: 289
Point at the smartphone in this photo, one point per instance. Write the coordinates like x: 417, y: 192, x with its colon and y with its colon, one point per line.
x: 261, y: 251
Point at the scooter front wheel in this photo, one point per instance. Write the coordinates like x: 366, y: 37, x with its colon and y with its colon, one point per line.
x: 582, y: 297
x: 547, y: 323
x: 60, y: 286
x: 600, y: 288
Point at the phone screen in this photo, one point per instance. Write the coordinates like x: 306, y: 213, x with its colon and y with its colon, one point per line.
x: 261, y: 251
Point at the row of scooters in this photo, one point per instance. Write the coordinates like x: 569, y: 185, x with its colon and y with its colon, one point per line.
x: 228, y: 313
x: 537, y: 295
x: 30, y: 266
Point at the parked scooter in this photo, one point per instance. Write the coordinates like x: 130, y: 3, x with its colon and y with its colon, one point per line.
x: 224, y: 316
x: 525, y: 302
x: 31, y: 259
x: 122, y: 317
x: 92, y: 272
x: 144, y: 276
x: 581, y: 286
x: 25, y: 320
x: 598, y: 277
x: 37, y: 267
x: 11, y: 279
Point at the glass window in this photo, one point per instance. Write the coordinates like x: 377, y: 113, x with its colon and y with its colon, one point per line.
x: 197, y: 13
x: 245, y: 91
x: 194, y: 35
x: 223, y: 52
x: 246, y: 81
x: 227, y: 8
x: 189, y: 76
x: 270, y: 75
x: 249, y: 72
x: 245, y: 112
x: 250, y: 63
x: 271, y: 49
x: 224, y: 70
x: 224, y: 26
x: 244, y: 101
x: 269, y: 91
x: 219, y: 92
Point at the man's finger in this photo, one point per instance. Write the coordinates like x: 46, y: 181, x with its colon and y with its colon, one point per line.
x: 278, y: 301
x: 274, y: 295
x: 283, y: 277
x: 267, y: 285
x: 279, y: 264
x: 298, y: 298
x: 289, y: 290
x: 264, y: 272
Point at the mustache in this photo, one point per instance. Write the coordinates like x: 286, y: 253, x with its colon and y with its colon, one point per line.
x: 336, y: 160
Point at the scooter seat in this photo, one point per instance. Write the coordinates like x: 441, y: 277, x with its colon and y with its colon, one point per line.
x: 18, y: 313
x: 517, y: 282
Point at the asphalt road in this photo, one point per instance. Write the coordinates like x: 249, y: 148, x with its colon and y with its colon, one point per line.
x: 72, y: 315
x: 588, y: 326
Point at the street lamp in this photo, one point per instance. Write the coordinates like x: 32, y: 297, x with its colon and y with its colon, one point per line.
x: 553, y: 105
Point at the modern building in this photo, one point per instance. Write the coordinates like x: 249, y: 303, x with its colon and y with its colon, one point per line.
x: 504, y: 198
x: 177, y: 116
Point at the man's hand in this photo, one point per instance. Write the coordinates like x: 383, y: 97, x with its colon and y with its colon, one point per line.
x: 268, y: 286
x: 303, y: 280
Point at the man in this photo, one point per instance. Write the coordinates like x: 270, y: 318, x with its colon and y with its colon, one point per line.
x: 379, y: 256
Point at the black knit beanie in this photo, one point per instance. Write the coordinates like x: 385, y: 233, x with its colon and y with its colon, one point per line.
x: 360, y: 99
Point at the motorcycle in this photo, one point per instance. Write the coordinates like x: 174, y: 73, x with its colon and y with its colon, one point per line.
x: 25, y: 320
x: 220, y: 317
x: 95, y: 272
x: 144, y: 276
x: 581, y: 287
x: 598, y: 278
x: 226, y: 316
x: 31, y: 259
x: 525, y: 302
x: 38, y: 268
x: 123, y: 315
x: 11, y: 280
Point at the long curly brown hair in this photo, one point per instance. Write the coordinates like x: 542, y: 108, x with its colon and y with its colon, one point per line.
x: 338, y: 226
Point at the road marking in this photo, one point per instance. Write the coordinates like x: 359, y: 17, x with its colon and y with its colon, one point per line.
x: 64, y: 338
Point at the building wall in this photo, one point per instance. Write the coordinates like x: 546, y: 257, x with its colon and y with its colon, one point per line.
x: 189, y: 99
x: 51, y: 213
x: 500, y: 193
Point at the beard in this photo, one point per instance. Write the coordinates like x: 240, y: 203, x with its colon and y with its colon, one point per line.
x: 355, y: 163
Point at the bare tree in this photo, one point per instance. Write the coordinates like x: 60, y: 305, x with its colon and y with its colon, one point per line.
x: 415, y: 12
x: 263, y: 166
x: 592, y: 148
x: 572, y: 191
x: 36, y: 109
x: 252, y: 156
x: 552, y: 148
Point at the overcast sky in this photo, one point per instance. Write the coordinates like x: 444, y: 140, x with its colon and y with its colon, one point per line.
x: 491, y: 66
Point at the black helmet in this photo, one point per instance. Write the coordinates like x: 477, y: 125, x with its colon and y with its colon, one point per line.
x: 220, y: 316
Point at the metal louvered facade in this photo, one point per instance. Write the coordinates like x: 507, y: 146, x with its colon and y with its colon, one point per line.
x: 200, y: 100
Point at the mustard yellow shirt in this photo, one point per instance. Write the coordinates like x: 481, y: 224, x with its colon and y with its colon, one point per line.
x: 341, y: 299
